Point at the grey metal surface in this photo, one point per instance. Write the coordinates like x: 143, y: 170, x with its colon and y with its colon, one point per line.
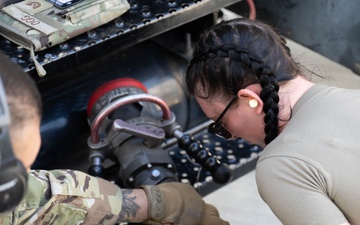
x: 329, y: 27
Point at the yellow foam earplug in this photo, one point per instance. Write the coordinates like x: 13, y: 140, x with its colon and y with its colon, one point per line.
x: 253, y: 103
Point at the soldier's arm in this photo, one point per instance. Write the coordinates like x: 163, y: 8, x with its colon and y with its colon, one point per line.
x: 73, y: 197
x: 134, y: 206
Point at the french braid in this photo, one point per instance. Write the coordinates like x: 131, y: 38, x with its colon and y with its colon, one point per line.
x: 268, y: 82
x: 237, y: 53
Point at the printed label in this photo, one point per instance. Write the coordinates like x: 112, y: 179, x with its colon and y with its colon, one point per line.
x: 29, y: 20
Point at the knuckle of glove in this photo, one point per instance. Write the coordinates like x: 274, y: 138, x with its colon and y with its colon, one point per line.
x: 212, y: 216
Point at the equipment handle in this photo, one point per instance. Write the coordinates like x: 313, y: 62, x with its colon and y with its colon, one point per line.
x: 221, y: 173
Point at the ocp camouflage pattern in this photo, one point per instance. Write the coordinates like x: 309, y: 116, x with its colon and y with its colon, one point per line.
x: 67, y: 197
x: 39, y: 23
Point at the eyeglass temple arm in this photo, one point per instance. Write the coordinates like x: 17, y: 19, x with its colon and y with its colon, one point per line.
x: 217, y: 121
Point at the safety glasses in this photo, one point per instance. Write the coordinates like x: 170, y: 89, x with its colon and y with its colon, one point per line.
x: 218, y: 128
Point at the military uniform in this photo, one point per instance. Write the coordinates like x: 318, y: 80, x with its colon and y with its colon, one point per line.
x: 67, y: 197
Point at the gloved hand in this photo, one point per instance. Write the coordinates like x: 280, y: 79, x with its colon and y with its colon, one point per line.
x: 180, y: 204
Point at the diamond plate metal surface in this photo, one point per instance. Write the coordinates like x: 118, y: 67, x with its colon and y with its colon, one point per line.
x: 145, y: 19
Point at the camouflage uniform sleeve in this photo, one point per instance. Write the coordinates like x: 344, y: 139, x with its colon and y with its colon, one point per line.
x: 67, y: 197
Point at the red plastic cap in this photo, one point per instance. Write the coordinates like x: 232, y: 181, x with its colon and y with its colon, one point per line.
x: 111, y: 85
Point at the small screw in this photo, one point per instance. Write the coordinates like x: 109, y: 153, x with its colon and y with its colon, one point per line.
x: 155, y: 174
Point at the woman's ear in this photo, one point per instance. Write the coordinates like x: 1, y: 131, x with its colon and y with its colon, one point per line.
x: 252, y: 98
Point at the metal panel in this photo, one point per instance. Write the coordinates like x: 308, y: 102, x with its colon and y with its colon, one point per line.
x: 144, y: 20
x: 329, y: 27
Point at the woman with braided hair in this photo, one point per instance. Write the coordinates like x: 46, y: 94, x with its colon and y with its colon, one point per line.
x: 244, y: 78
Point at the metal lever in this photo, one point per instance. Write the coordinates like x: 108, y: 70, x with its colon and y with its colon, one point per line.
x: 153, y: 135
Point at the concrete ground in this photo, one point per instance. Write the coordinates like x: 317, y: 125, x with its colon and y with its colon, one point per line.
x: 239, y: 202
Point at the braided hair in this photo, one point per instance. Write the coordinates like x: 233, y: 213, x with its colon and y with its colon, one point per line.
x: 237, y: 53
